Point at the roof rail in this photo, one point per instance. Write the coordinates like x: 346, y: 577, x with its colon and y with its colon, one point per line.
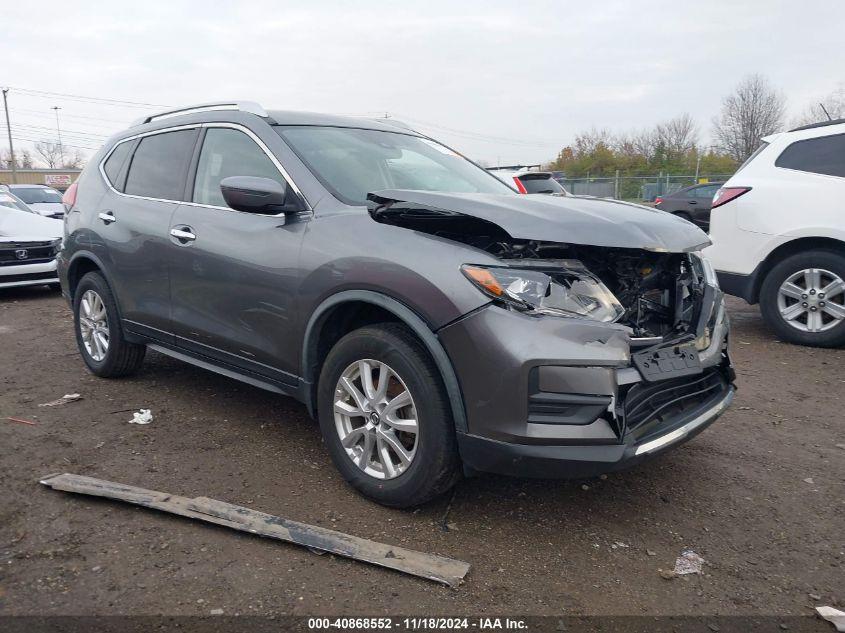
x: 812, y: 126
x: 242, y: 106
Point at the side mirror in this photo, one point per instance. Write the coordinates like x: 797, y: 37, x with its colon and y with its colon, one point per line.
x: 255, y: 195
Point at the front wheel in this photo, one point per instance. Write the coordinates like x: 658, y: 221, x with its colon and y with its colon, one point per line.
x: 803, y: 298
x: 385, y: 416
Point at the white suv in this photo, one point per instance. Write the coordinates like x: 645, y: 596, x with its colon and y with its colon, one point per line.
x: 778, y: 231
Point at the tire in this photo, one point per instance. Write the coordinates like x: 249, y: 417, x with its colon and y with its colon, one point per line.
x: 828, y: 265
x: 434, y: 464
x: 119, y: 358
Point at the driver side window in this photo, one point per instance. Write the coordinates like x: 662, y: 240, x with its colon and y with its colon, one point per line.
x: 227, y: 152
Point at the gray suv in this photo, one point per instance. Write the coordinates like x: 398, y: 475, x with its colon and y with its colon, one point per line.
x: 433, y: 320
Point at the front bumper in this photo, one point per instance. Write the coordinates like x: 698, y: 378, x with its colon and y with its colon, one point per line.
x: 28, y: 274
x: 556, y: 397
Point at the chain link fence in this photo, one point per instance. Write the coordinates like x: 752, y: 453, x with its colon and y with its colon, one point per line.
x: 636, y: 188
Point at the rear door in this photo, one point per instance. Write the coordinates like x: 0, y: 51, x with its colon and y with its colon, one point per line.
x: 234, y: 281
x: 131, y: 234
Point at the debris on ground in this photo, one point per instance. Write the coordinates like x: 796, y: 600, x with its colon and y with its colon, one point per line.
x: 688, y: 563
x: 142, y: 416
x: 667, y: 574
x: 809, y: 480
x: 216, y: 612
x: 22, y: 421
x: 834, y: 616
x: 68, y: 397
x: 438, y: 568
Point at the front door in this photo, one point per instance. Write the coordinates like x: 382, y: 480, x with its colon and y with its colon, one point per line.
x: 234, y: 275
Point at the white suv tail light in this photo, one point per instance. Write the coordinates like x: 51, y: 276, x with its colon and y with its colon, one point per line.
x: 726, y: 194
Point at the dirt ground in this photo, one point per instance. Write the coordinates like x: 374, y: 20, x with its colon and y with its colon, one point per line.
x: 759, y: 495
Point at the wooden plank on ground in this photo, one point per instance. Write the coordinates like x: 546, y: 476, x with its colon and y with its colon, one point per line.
x: 438, y: 568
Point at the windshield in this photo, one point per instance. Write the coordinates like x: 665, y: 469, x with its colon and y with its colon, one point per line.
x: 9, y: 201
x: 352, y: 163
x: 38, y: 195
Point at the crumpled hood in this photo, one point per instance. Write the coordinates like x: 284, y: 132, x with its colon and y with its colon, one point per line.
x: 28, y: 227
x: 571, y: 219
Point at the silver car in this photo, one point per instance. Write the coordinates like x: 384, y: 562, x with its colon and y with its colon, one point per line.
x: 42, y: 199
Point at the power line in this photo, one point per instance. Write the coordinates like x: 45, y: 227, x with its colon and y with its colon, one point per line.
x: 41, y: 140
x: 39, y: 113
x: 90, y: 135
x: 116, y: 102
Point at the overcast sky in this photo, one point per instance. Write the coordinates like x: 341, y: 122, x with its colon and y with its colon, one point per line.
x: 502, y: 82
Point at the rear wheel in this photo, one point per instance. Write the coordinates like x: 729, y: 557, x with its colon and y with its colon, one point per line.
x: 99, y: 334
x: 385, y: 416
x: 803, y: 298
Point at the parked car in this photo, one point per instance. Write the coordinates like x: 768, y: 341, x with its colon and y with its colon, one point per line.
x: 690, y: 203
x: 43, y: 200
x: 531, y: 181
x: 778, y: 231
x: 29, y: 244
x: 8, y: 199
x: 431, y: 318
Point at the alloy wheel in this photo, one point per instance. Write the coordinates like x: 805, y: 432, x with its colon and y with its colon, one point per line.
x: 94, y: 325
x: 812, y: 300
x: 376, y: 419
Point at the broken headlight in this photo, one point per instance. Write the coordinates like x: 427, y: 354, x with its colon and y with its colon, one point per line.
x: 556, y: 287
x: 704, y: 268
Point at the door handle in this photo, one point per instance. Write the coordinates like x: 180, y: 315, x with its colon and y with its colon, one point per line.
x: 107, y: 217
x: 692, y: 202
x: 184, y: 234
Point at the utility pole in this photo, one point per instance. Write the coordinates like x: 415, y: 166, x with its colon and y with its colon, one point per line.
x: 11, y: 147
x: 59, y: 133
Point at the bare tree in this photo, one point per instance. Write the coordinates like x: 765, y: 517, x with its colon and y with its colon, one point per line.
x: 677, y: 136
x: 51, y: 153
x: 832, y: 105
x: 587, y: 142
x: 638, y: 143
x: 754, y: 110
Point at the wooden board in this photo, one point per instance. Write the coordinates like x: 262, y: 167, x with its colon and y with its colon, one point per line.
x: 448, y: 571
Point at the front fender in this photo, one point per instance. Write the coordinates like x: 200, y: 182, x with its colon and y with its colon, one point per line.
x: 310, y: 370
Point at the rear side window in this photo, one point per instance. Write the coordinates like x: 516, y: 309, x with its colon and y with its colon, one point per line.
x: 227, y: 152
x: 159, y: 164
x: 706, y: 192
x: 115, y: 162
x: 823, y: 155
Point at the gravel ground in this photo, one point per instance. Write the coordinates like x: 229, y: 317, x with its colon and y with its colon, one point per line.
x: 759, y: 495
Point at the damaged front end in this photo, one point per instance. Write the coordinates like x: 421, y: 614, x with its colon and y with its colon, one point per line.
x: 591, y: 356
x: 654, y: 293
